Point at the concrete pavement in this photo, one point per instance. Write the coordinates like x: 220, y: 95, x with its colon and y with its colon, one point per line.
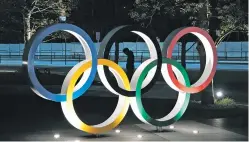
x: 185, y: 130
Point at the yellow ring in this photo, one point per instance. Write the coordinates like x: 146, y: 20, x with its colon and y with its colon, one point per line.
x: 68, y: 108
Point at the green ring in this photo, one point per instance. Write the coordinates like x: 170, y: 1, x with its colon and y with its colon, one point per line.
x: 141, y: 109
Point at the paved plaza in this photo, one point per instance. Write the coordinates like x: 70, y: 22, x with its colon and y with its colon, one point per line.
x: 185, y: 130
x: 31, y: 118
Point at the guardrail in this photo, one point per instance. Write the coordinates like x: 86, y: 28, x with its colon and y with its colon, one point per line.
x: 140, y: 56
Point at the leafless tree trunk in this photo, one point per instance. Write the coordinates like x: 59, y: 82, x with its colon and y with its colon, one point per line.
x: 27, y: 27
x: 116, y: 52
x: 206, y: 97
x: 183, y: 53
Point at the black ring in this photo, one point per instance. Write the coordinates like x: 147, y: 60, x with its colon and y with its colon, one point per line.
x: 105, y: 48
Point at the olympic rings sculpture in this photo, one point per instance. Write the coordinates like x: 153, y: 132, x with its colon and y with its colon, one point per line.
x: 129, y: 93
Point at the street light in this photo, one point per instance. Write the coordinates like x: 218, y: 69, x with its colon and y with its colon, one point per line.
x: 219, y: 94
x: 62, y: 19
x: 139, y: 136
x: 117, y: 131
x: 195, y: 131
x: 56, y: 136
x: 172, y: 127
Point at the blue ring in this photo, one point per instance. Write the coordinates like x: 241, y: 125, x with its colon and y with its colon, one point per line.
x: 29, y: 54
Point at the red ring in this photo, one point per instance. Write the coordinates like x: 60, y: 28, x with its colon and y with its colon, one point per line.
x: 177, y: 36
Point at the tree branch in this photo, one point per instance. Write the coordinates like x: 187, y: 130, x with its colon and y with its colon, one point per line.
x: 219, y: 40
x: 49, y: 8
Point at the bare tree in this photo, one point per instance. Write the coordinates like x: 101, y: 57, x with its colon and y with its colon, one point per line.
x: 34, y: 14
x: 145, y: 10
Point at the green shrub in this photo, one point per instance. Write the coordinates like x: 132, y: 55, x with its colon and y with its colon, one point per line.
x: 225, y: 102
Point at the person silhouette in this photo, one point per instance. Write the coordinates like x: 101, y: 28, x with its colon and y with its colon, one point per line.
x: 130, y: 62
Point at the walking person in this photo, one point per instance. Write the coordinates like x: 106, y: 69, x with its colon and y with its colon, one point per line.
x: 130, y: 62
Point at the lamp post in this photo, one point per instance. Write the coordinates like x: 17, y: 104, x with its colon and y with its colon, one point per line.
x: 62, y: 19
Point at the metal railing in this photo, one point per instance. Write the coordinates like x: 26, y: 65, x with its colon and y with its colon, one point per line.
x: 140, y: 56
